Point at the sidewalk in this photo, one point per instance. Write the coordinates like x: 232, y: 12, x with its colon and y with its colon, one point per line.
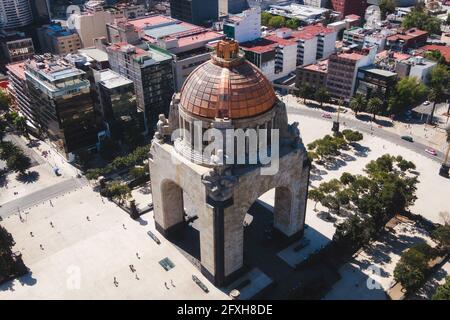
x: 425, y: 134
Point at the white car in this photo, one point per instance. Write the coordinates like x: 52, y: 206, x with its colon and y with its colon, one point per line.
x: 426, y: 103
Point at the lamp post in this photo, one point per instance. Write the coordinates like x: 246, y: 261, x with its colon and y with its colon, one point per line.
x: 335, y: 127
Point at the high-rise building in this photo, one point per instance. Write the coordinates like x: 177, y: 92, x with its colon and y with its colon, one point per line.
x: 347, y: 7
x: 342, y: 71
x: 151, y: 72
x: 90, y: 25
x: 232, y: 6
x: 19, y: 92
x: 245, y: 26
x: 62, y: 104
x: 15, y: 46
x: 15, y: 14
x: 200, y: 12
x: 58, y: 40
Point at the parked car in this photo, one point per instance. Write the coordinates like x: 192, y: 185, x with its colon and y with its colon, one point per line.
x: 431, y: 151
x: 407, y: 138
x: 426, y: 103
x: 326, y: 115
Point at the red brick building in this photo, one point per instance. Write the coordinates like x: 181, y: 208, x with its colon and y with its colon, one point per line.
x: 347, y: 7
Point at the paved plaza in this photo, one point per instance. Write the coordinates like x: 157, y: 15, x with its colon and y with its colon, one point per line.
x: 92, y: 240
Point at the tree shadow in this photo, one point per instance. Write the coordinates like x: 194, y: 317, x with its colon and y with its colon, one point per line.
x: 28, y: 177
x: 384, y: 123
x: 360, y: 151
x: 315, y: 177
x: 335, y: 164
x: 346, y: 157
x: 3, y: 179
x: 33, y: 143
x: 145, y: 190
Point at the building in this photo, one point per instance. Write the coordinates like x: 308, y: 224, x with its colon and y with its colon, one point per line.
x: 62, y: 105
x: 417, y: 67
x: 15, y: 46
x: 199, y: 12
x: 371, y: 81
x: 222, y: 192
x: 186, y: 42
x: 343, y: 69
x: 360, y: 38
x: 58, y: 40
x: 19, y: 91
x: 347, y: 7
x: 280, y: 52
x: 118, y: 103
x: 90, y: 25
x: 151, y: 73
x: 444, y: 50
x: 15, y: 14
x: 407, y: 39
x: 122, y: 31
x: 245, y: 26
x: 227, y: 7
x: 316, y: 3
x: 350, y: 21
x: 314, y: 74
x: 306, y: 14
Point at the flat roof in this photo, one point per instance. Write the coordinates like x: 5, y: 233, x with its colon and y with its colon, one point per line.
x: 320, y: 66
x: 94, y: 53
x: 151, y: 21
x: 380, y: 72
x: 111, y: 79
x: 161, y: 32
x: 17, y: 68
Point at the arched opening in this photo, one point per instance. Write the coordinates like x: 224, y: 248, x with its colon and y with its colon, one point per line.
x: 263, y: 223
x: 178, y: 209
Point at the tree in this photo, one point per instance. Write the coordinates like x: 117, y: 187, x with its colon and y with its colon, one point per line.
x: 118, y: 191
x: 316, y: 196
x: 293, y: 23
x: 137, y: 172
x: 21, y: 124
x: 437, y: 56
x: 306, y: 91
x: 374, y: 106
x: 7, y: 149
x: 277, y: 22
x: 82, y: 157
x: 4, y: 100
x: 418, y: 18
x: 352, y: 136
x: 18, y: 162
x: 442, y: 234
x: 410, y: 270
x: 322, y: 96
x: 436, y: 95
x: 408, y: 92
x: 265, y: 18
x: 443, y: 291
x: 358, y: 103
x: 386, y: 7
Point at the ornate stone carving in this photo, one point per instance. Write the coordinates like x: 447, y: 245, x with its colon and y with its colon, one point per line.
x: 219, y: 183
x: 162, y: 128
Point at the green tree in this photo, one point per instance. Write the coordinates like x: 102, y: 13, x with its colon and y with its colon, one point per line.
x: 277, y: 22
x: 410, y: 270
x: 306, y: 91
x: 358, y: 103
x: 322, y: 96
x: 316, y: 196
x: 352, y: 136
x: 293, y: 23
x: 265, y: 18
x: 4, y: 100
x: 436, y: 95
x: 418, y: 18
x: 18, y: 162
x: 443, y: 291
x: 2, y: 130
x: 437, y: 56
x: 8, y: 149
x: 137, y: 172
x: 408, y: 92
x: 374, y: 106
x: 118, y: 191
x: 442, y: 234
x: 21, y: 124
x: 386, y: 7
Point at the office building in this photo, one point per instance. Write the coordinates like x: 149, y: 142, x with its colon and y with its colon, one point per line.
x: 199, y: 12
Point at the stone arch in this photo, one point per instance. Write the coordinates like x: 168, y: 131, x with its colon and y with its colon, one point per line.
x: 172, y: 203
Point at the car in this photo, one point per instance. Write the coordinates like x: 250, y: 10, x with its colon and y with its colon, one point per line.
x: 407, y: 138
x: 326, y: 115
x: 426, y: 103
x: 431, y: 151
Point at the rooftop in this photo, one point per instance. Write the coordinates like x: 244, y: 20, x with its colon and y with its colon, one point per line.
x: 94, y: 53
x: 52, y: 68
x: 17, y: 68
x: 111, y: 79
x: 151, y: 21
x: 381, y: 72
x: 146, y: 57
x: 444, y: 50
x: 320, y: 66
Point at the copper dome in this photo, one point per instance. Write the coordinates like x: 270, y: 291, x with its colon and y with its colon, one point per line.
x: 227, y: 86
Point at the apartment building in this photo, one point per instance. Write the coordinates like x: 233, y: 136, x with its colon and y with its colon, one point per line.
x: 58, y: 40
x: 342, y: 71
x: 62, y: 104
x: 18, y: 89
x: 314, y: 74
x: 245, y: 26
x: 15, y: 46
x: 151, y: 73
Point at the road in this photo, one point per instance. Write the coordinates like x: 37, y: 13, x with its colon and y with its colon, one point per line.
x: 366, y: 128
x: 12, y: 207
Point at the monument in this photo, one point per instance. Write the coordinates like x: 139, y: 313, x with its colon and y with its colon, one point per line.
x: 227, y: 94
